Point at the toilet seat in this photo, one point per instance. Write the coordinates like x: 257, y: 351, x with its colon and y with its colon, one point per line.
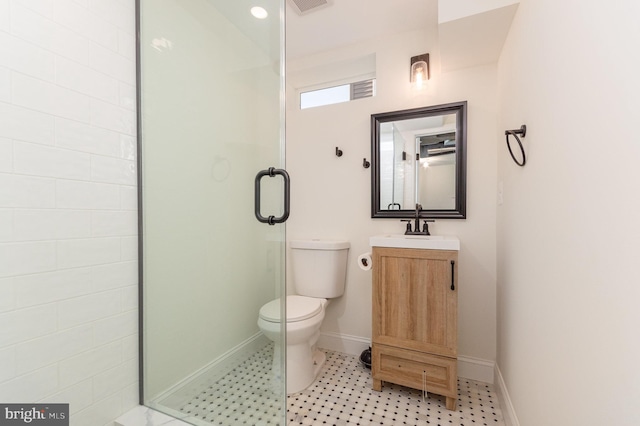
x: 299, y: 308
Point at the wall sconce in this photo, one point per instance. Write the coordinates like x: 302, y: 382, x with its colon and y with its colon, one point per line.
x: 420, y: 69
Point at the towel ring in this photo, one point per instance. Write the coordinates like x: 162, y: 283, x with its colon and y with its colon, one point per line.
x: 523, y: 132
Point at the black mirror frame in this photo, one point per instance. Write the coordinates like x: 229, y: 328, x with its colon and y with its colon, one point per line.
x: 460, y: 210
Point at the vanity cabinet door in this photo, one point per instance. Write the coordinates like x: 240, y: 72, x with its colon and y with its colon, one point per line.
x: 414, y: 306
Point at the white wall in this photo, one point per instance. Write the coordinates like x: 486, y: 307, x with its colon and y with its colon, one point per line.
x: 331, y: 196
x: 68, y: 270
x: 568, y: 292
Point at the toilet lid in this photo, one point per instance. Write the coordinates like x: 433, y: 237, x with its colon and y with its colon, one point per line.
x: 298, y: 308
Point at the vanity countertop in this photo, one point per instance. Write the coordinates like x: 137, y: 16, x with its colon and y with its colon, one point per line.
x: 428, y: 242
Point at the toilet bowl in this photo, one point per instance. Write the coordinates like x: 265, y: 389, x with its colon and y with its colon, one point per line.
x: 304, y: 317
x: 319, y: 272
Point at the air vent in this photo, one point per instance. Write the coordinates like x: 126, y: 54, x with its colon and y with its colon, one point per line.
x: 305, y: 6
x: 362, y: 89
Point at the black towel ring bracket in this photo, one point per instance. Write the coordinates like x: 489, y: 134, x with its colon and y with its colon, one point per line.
x: 522, y: 131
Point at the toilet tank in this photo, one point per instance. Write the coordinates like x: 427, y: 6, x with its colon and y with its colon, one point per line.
x: 319, y: 267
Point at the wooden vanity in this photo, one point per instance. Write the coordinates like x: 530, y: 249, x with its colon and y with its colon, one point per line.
x: 415, y: 308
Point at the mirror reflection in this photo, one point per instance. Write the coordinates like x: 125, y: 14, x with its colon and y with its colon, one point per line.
x: 419, y: 159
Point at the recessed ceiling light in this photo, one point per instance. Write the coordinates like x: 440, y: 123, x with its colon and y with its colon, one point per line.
x: 259, y: 12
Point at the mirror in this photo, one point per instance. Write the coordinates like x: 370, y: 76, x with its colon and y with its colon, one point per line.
x: 419, y: 157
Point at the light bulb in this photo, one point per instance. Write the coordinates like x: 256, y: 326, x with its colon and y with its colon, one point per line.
x: 259, y: 12
x: 419, y: 73
x: 419, y: 78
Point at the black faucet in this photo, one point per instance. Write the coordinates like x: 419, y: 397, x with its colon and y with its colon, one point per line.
x: 416, y: 227
x: 416, y: 230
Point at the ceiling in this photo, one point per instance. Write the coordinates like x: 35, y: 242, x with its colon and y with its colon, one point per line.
x: 346, y: 22
x: 463, y: 41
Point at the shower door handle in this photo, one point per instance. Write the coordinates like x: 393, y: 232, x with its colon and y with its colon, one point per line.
x: 271, y: 172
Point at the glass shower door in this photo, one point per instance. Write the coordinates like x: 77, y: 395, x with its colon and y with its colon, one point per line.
x: 211, y: 118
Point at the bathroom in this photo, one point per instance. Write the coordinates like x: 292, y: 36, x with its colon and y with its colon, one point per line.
x: 548, y: 293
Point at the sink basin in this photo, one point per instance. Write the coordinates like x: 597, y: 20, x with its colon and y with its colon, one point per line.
x: 430, y: 242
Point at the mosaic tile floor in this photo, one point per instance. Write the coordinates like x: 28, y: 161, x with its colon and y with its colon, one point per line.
x: 341, y: 395
x: 244, y: 396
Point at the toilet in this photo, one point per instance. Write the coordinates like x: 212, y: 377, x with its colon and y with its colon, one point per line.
x: 319, y: 269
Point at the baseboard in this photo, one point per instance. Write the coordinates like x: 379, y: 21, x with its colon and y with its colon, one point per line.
x: 480, y: 370
x: 472, y: 368
x: 508, y: 412
x: 347, y: 344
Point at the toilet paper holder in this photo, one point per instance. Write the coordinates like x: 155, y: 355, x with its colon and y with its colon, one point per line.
x: 365, y: 262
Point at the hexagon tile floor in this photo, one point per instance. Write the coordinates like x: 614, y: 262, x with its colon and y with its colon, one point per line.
x: 341, y: 395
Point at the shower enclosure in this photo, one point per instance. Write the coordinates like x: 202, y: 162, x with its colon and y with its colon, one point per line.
x: 210, y: 120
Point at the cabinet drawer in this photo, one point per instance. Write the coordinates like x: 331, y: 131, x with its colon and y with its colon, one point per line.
x: 409, y: 368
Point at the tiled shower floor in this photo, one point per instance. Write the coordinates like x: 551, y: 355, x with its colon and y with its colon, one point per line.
x: 341, y: 395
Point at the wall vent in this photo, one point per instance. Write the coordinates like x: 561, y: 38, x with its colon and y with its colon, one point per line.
x: 362, y: 89
x: 303, y: 7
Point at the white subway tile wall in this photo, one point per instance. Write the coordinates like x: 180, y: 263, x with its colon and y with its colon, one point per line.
x: 68, y: 201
